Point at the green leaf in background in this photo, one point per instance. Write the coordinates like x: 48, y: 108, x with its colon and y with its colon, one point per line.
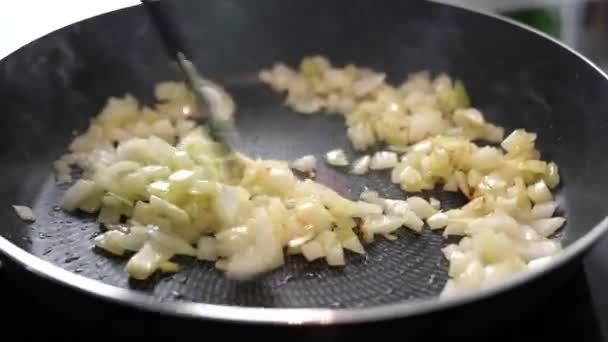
x: 543, y: 19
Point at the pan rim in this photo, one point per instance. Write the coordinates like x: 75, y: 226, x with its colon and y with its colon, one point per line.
x: 305, y: 316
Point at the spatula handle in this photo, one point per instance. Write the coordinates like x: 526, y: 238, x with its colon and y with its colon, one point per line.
x: 167, y: 26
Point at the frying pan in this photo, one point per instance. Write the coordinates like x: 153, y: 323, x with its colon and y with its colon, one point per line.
x: 519, y: 79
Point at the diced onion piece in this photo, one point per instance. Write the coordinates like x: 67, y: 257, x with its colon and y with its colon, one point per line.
x: 449, y: 250
x: 137, y: 236
x: 111, y: 241
x: 539, y: 192
x: 206, y: 248
x: 455, y: 228
x: 546, y: 227
x: 543, y: 210
x: 411, y: 221
x: 410, y: 178
x: 299, y: 241
x: 435, y: 203
x: 383, y: 160
x: 494, y: 273
x: 495, y: 222
x: 336, y: 157
x: 492, y: 247
x: 486, y: 158
x: 366, y: 209
x: 313, y: 250
x: 459, y: 262
x: 537, y: 249
x: 315, y: 215
x: 421, y: 207
x: 381, y: 224
x: 304, y: 164
x: 366, y: 85
x: 228, y: 203
x: 83, y: 191
x: 518, y: 142
x: 24, y: 212
x: 169, y: 267
x: 335, y: 256
x: 349, y: 240
x: 172, y: 243
x: 437, y: 221
x: 472, y: 277
x: 233, y: 240
x: 361, y: 165
x: 204, y: 187
x: 552, y: 175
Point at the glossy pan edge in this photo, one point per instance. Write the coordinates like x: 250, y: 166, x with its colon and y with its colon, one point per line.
x: 295, y: 316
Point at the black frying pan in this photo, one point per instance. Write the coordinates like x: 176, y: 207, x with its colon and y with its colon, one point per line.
x: 517, y: 77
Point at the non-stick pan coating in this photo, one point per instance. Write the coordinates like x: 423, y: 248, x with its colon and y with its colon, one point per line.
x: 54, y: 85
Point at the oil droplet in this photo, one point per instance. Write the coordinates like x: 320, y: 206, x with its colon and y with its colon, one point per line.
x: 336, y: 304
x: 78, y: 270
x: 42, y: 236
x: 431, y: 279
x: 285, y: 280
x: 182, y: 278
x: 57, y: 208
x: 177, y: 295
x: 309, y: 275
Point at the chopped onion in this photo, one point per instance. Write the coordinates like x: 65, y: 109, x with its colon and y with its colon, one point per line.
x: 546, y: 227
x: 24, y: 212
x: 421, y: 207
x: 543, y: 210
x: 380, y: 224
x: 181, y: 193
x: 435, y: 203
x: 383, y: 160
x: 539, y: 192
x: 361, y: 165
x: 336, y: 158
x: 437, y: 221
x: 304, y: 164
x: 366, y: 209
x: 313, y: 250
x: 486, y: 158
x: 537, y: 249
x: 207, y: 249
x: 365, y: 85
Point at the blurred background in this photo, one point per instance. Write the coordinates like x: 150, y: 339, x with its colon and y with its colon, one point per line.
x: 581, y: 24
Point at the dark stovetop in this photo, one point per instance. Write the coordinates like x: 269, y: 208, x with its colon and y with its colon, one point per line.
x: 579, y: 309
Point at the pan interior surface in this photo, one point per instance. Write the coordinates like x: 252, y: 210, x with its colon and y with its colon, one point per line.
x: 54, y: 85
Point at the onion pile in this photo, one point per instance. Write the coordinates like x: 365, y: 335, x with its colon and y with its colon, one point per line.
x: 509, y: 220
x: 161, y: 187
x: 377, y: 112
x: 160, y: 193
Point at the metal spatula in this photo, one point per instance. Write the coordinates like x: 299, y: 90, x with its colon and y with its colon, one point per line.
x: 218, y: 104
